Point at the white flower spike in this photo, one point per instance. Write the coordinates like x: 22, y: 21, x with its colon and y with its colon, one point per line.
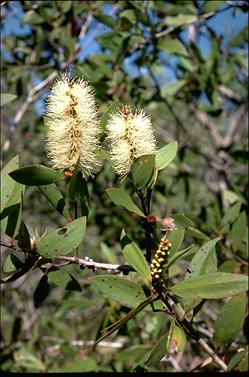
x: 130, y: 135
x: 72, y: 126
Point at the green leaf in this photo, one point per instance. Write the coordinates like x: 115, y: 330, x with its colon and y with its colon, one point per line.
x: 62, y: 241
x: 212, y: 286
x: 176, y: 238
x: 6, y: 98
x: 166, y: 155
x: 54, y: 196
x: 142, y: 170
x: 229, y: 266
x: 236, y: 359
x: 182, y: 253
x: 78, y: 186
x: 103, y: 154
x: 233, y: 197
x: 105, y: 19
x: 172, y: 88
x: 197, y: 233
x: 203, y: 262
x: 230, y: 320
x: 129, y: 14
x: 108, y: 253
x: 36, y: 175
x: 42, y: 291
x: 200, y: 263
x: 32, y: 18
x: 180, y: 19
x: 115, y: 326
x: 14, y: 200
x: 7, y: 183
x: 134, y: 256
x: 109, y: 40
x: 23, y: 238
x: 11, y: 224
x: 231, y: 214
x: 172, y: 45
x: 133, y: 354
x: 212, y: 6
x: 240, y: 38
x: 26, y: 267
x: 107, y: 114
x: 238, y: 231
x: 121, y: 198
x: 65, y: 6
x: 80, y: 366
x: 243, y: 364
x: 121, y: 290
x: 64, y: 280
x: 176, y: 341
x: 26, y: 360
x: 9, y: 265
x: 158, y: 351
x: 181, y: 221
x: 78, y: 189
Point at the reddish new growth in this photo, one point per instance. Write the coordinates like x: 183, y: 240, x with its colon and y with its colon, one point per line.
x: 151, y: 218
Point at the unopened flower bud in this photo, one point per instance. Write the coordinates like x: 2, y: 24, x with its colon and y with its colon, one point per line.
x: 168, y: 223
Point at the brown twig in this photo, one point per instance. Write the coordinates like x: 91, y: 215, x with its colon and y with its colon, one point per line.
x: 211, y: 353
x: 84, y: 343
x: 86, y: 262
x: 219, y: 140
x: 90, y: 263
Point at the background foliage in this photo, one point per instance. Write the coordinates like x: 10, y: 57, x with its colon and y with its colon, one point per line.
x: 150, y: 54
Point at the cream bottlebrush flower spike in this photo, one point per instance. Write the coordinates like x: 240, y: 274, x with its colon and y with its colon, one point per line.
x: 130, y: 135
x: 72, y: 126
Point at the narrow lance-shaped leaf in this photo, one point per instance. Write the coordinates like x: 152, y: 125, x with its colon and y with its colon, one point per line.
x: 203, y: 262
x: 121, y: 198
x: 212, y: 286
x: 42, y: 291
x: 232, y: 213
x: 179, y: 254
x: 142, y: 170
x: 7, y: 183
x: 230, y: 320
x: 181, y: 221
x: 176, y: 238
x: 36, y: 175
x: 166, y: 155
x: 236, y: 359
x: 106, y: 115
x: 158, y: 351
x: 119, y: 289
x: 63, y: 279
x: 115, y: 326
x: 135, y: 257
x: 200, y: 263
x: 26, y: 267
x: 62, y: 241
x: 6, y: 98
x: 172, y: 88
x: 78, y: 189
x: 54, y: 196
x: 12, y: 222
x: 176, y: 340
